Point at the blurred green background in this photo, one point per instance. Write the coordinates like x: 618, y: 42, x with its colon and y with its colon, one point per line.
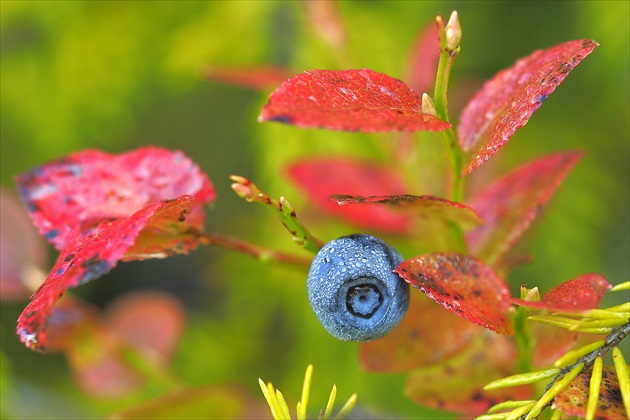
x: 118, y: 75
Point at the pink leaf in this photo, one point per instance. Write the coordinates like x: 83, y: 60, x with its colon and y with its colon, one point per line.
x: 508, y: 100
x: 91, y: 186
x: 257, y: 77
x: 580, y: 294
x: 463, y: 285
x: 510, y: 204
x: 23, y: 253
x: 151, y: 321
x: 322, y: 177
x: 327, y: 21
x: 96, y: 251
x: 349, y: 100
x: 423, y: 59
x: 427, y: 207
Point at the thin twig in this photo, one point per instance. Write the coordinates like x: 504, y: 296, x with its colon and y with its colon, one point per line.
x: 255, y: 251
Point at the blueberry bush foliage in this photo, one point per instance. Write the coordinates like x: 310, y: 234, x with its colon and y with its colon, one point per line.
x: 438, y: 165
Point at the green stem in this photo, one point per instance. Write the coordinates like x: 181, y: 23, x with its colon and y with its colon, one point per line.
x: 246, y: 189
x: 454, y: 181
x: 455, y: 186
x: 451, y: 145
x: 523, y: 339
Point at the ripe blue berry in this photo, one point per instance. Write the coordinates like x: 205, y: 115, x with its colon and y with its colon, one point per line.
x: 353, y: 289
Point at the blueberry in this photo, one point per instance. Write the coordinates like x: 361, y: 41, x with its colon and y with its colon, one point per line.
x: 353, y: 289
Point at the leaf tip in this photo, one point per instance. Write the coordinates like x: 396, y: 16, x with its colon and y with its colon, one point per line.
x: 428, y: 106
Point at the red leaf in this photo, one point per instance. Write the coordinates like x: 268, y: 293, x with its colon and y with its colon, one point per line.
x: 322, y: 177
x: 423, y: 59
x: 508, y: 100
x: 258, y: 77
x: 457, y: 384
x: 463, y: 285
x: 509, y: 205
x: 427, y: 207
x: 91, y: 186
x: 426, y: 336
x: 349, y: 100
x: 23, y: 253
x: 95, y: 252
x: 580, y: 294
x: 574, y: 398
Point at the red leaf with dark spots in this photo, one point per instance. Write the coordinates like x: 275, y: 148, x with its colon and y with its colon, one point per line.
x: 573, y: 400
x: 457, y: 384
x: 511, y: 203
x: 100, y: 208
x: 91, y: 186
x: 580, y: 294
x: 96, y: 251
x: 349, y: 100
x: 322, y: 177
x: 258, y: 78
x: 508, y: 100
x: 426, y: 336
x: 427, y: 207
x: 462, y: 284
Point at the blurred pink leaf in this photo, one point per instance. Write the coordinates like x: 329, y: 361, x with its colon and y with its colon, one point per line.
x: 322, y: 177
x: 257, y: 77
x: 93, y: 353
x: 510, y: 204
x: 580, y: 294
x: 463, y: 285
x: 150, y: 321
x: 326, y: 19
x: 423, y: 60
x: 147, y: 323
x: 508, y: 100
x: 349, y: 100
x: 23, y: 253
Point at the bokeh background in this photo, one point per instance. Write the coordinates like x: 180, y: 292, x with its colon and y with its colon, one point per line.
x: 119, y: 75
